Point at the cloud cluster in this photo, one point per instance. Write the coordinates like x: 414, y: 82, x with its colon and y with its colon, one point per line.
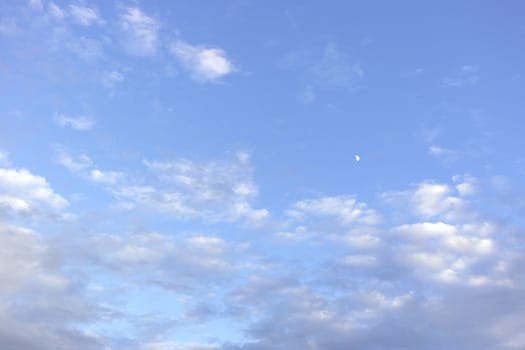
x: 447, y: 280
x: 218, y: 190
x: 427, y: 270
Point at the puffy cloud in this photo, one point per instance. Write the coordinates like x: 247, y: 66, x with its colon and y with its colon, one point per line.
x: 140, y: 32
x: 432, y: 200
x: 204, y: 63
x: 23, y: 192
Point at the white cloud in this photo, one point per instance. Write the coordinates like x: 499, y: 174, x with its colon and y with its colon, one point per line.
x: 140, y: 32
x: 346, y: 208
x: 440, y: 151
x: 56, y: 11
x: 83, y: 166
x: 204, y: 63
x: 216, y: 190
x: 74, y: 164
x: 106, y: 177
x: 76, y: 123
x: 22, y: 191
x: 466, y: 185
x: 431, y: 200
x: 83, y: 14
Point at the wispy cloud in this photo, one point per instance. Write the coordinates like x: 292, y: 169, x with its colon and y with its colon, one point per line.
x: 81, y: 14
x: 204, y: 63
x: 56, y: 11
x: 468, y: 75
x: 335, y: 69
x: 329, y: 69
x: 140, y: 32
x: 76, y: 123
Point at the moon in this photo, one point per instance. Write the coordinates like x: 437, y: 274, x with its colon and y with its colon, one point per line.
x: 357, y: 158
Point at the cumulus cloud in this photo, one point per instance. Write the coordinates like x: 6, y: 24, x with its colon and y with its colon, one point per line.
x: 140, y: 32
x: 429, y: 284
x: 23, y: 192
x: 436, y: 274
x: 204, y: 63
x: 76, y: 123
x: 431, y: 200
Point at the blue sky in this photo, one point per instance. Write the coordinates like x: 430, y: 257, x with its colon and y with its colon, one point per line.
x: 254, y: 175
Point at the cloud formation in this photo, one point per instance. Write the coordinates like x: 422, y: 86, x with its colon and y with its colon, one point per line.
x: 140, y: 32
x: 205, y: 64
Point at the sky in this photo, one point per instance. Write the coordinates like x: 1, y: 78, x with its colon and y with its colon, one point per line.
x: 256, y: 175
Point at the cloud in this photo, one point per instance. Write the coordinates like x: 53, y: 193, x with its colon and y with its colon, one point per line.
x: 432, y: 200
x: 329, y: 70
x: 468, y: 75
x: 23, y: 192
x: 334, y: 69
x: 111, y: 79
x: 75, y: 164
x: 106, y: 177
x: 76, y: 123
x: 56, y: 11
x: 435, y: 274
x: 84, y: 15
x: 214, y: 190
x: 447, y: 155
x: 346, y: 208
x: 83, y: 166
x: 140, y: 32
x: 204, y: 63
